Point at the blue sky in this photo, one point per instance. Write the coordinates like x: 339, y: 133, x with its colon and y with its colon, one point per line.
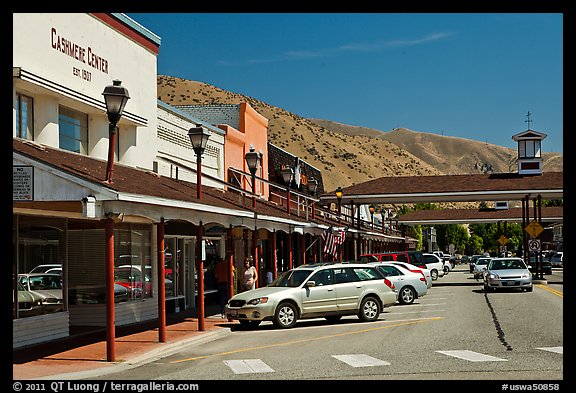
x: 469, y: 75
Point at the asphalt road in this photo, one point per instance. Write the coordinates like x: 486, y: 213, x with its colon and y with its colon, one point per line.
x: 456, y: 332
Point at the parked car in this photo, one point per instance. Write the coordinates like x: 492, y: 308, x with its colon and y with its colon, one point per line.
x: 328, y: 290
x: 504, y: 273
x: 434, y: 264
x: 48, y: 285
x: 557, y: 259
x: 424, y: 272
x: 48, y: 268
x: 409, y: 285
x: 131, y: 277
x: 401, y: 256
x: 472, y: 261
x: 480, y: 266
x: 29, y: 303
x: 546, y: 267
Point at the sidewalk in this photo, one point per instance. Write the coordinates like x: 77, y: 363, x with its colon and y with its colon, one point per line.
x: 83, y: 353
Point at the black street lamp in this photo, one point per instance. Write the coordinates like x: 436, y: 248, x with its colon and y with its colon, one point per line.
x: 253, y: 161
x: 339, y: 194
x: 313, y: 187
x: 372, y: 208
x: 199, y: 137
x: 115, y: 97
x: 287, y: 176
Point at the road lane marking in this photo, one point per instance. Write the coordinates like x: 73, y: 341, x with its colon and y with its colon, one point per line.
x: 472, y: 356
x: 360, y: 360
x: 396, y: 324
x: 416, y: 312
x: 551, y: 290
x: 553, y: 349
x: 248, y: 366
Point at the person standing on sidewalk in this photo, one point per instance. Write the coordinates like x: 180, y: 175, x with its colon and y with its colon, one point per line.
x: 249, y: 276
x: 221, y: 272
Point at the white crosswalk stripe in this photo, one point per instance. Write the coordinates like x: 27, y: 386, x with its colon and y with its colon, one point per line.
x: 553, y: 349
x: 472, y: 356
x: 248, y: 366
x: 360, y: 360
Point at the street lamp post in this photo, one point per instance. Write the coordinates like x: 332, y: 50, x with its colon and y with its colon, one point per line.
x: 199, y: 137
x: 253, y: 160
x: 116, y: 97
x: 313, y: 187
x: 287, y: 176
x: 372, y: 208
x: 339, y: 194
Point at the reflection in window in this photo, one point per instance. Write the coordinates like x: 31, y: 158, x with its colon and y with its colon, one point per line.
x: 24, y: 117
x: 39, y: 248
x: 73, y: 127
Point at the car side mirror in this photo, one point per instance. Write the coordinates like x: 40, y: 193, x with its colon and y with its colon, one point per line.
x: 310, y: 283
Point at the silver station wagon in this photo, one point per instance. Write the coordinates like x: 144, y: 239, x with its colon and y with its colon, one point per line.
x: 309, y: 291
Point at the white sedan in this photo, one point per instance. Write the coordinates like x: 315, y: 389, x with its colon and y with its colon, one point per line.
x: 409, y: 285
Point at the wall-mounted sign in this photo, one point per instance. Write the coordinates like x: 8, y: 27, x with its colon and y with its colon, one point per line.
x: 22, y: 183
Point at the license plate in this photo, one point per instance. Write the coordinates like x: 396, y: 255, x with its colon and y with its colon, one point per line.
x: 233, y: 313
x: 510, y: 282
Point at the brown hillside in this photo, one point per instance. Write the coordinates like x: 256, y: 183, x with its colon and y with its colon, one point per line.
x: 343, y: 159
x: 450, y: 155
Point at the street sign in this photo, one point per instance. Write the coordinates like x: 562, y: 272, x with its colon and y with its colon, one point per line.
x: 534, y: 245
x: 502, y: 240
x: 534, y: 229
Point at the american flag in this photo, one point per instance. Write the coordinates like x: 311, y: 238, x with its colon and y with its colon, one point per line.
x: 332, y: 239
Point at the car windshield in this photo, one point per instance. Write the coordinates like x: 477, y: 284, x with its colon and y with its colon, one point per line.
x: 507, y: 264
x: 291, y: 278
x: 482, y: 261
x: 42, y: 282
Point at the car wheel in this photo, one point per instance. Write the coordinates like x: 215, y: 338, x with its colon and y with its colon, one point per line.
x: 407, y: 295
x: 434, y: 275
x: 369, y: 309
x: 333, y: 318
x: 286, y: 315
x: 446, y: 270
x: 529, y: 289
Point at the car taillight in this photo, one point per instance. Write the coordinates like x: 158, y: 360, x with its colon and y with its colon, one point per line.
x: 389, y: 283
x: 423, y: 278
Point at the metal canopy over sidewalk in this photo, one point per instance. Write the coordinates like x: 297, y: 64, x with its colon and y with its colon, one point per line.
x: 452, y: 188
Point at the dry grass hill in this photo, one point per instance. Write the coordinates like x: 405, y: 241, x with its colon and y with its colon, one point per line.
x: 348, y: 155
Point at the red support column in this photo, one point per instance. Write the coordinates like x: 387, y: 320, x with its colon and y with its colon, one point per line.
x: 230, y: 261
x: 274, y: 255
x: 256, y: 256
x: 200, y: 270
x: 109, y: 271
x: 161, y: 282
x: 290, y: 255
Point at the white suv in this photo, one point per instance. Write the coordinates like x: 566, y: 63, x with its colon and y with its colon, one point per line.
x: 434, y: 264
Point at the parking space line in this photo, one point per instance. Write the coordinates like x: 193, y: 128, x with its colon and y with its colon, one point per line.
x: 360, y: 360
x: 248, y: 366
x: 553, y: 349
x: 472, y: 356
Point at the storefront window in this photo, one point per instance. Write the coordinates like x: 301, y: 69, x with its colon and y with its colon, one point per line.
x: 37, y: 261
x: 86, y: 264
x: 133, y: 262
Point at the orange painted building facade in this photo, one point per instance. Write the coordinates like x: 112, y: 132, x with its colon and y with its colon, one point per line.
x: 252, y: 131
